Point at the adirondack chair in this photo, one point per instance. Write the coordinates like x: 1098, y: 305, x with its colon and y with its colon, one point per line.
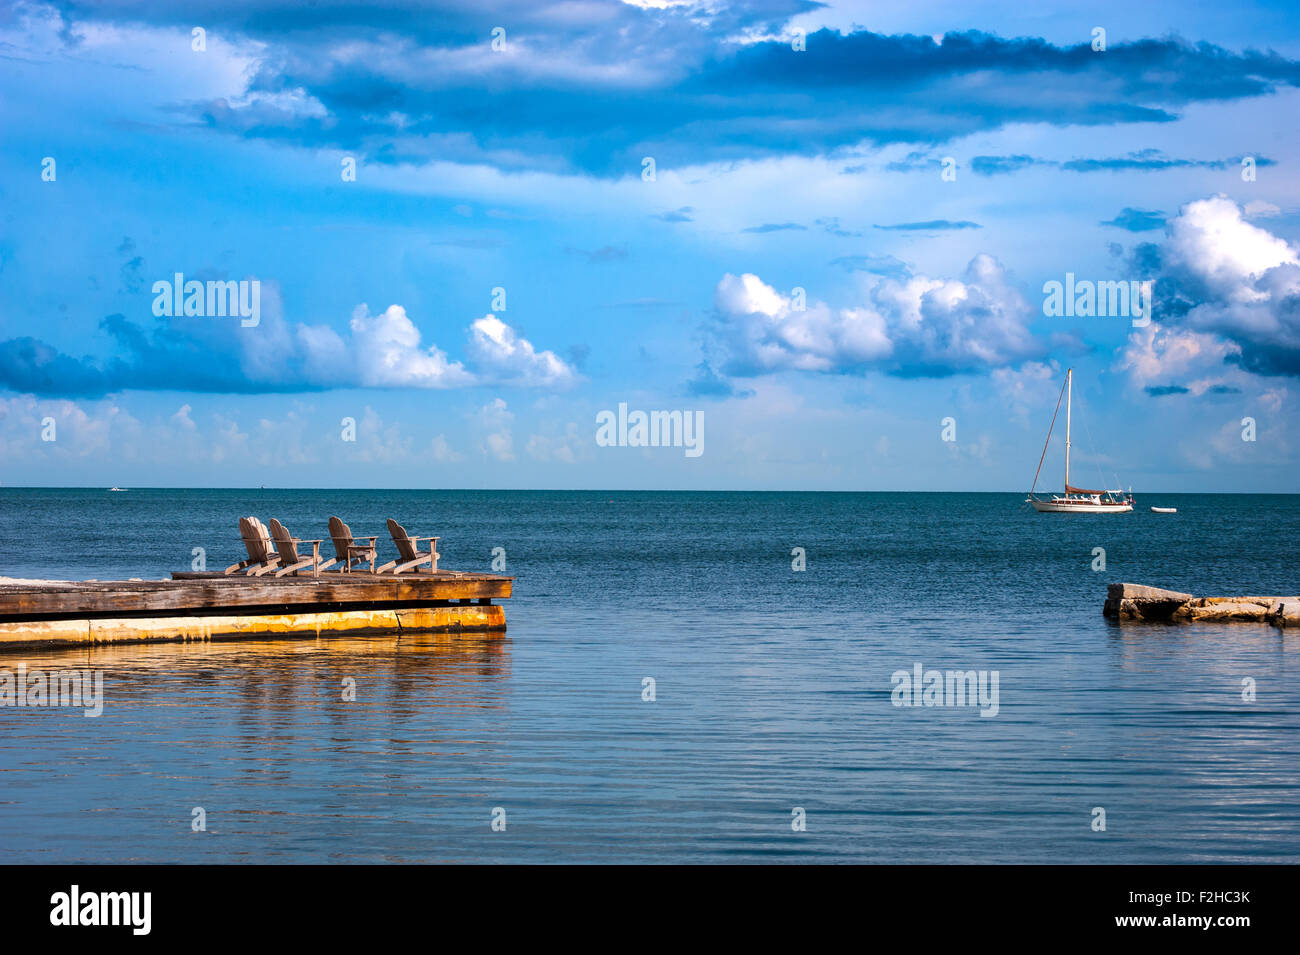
x: 261, y: 557
x: 408, y: 551
x: 287, y: 547
x: 346, y: 549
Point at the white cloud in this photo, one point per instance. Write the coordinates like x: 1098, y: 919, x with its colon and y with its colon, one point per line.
x: 79, y: 430
x: 1157, y: 355
x: 549, y: 446
x: 1259, y: 209
x: 1213, y: 242
x: 921, y: 324
x: 764, y: 331
x: 389, y: 354
x: 1226, y: 289
x: 376, y: 441
x: 1273, y: 398
x: 146, y: 60
x: 1027, y: 390
x: 506, y: 357
x: 494, y: 424
x: 443, y: 451
x: 387, y: 350
x: 182, y: 418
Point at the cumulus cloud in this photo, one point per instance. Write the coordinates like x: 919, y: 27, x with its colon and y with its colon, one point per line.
x: 379, y: 442
x: 1027, y: 390
x: 1210, y: 242
x: 763, y: 330
x: 383, y: 350
x: 913, y: 326
x: 505, y: 357
x: 162, y: 444
x: 1225, y: 288
x: 388, y: 353
x: 442, y: 450
x: 87, y: 433
x: 494, y: 424
x: 552, y: 445
x: 76, y: 432
x: 1158, y: 356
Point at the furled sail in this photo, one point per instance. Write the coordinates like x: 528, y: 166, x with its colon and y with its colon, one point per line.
x: 1071, y: 489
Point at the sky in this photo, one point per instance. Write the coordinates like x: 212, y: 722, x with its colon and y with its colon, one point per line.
x: 823, y: 231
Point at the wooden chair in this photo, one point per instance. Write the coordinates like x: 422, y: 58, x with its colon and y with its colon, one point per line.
x: 287, y: 547
x: 261, y: 558
x: 346, y: 550
x: 409, y: 552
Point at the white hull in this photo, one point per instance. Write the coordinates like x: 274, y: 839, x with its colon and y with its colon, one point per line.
x: 1075, y: 500
x: 1080, y: 507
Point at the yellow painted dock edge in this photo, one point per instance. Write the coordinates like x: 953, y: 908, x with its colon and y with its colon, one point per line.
x: 56, y: 633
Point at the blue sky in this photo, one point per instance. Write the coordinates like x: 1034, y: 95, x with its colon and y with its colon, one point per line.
x: 522, y: 169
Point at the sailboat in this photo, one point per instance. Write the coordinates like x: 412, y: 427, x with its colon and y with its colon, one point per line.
x: 1075, y: 500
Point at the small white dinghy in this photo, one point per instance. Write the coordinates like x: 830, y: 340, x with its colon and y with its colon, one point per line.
x: 1165, y: 510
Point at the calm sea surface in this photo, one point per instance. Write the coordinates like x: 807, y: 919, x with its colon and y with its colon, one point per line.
x: 773, y: 688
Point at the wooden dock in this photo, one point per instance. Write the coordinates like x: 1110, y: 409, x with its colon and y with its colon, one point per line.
x: 207, y: 606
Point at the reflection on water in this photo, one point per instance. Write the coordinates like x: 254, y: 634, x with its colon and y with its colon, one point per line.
x: 773, y: 691
x: 310, y: 733
x: 1147, y: 721
x: 405, y: 674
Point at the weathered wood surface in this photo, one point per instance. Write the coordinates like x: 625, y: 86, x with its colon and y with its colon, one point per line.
x: 213, y: 593
x: 28, y: 635
x: 1138, y: 602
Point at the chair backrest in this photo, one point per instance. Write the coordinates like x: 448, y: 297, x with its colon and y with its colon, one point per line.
x: 405, y: 546
x: 341, y: 534
x: 256, y: 539
x: 284, y: 543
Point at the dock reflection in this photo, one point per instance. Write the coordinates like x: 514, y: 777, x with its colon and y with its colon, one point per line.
x: 271, y: 738
x: 338, y: 677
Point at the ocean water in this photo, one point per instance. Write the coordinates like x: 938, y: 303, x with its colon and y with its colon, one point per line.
x: 772, y: 688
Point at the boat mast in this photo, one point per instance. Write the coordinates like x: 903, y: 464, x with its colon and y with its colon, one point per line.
x: 1069, y: 398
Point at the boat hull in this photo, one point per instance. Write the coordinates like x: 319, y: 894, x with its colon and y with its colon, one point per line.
x: 1082, y: 507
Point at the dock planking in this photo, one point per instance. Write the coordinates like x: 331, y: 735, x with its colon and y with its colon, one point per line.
x: 206, y: 605
x: 195, y: 593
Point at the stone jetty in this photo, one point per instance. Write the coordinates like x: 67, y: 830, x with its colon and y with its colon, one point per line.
x: 1138, y: 602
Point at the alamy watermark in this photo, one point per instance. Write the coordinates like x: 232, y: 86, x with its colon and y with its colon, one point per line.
x: 82, y: 688
x: 654, y: 429
x: 130, y: 909
x: 212, y: 299
x: 1084, y: 298
x: 922, y: 687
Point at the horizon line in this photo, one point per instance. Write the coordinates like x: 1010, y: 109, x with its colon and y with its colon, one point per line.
x: 605, y: 490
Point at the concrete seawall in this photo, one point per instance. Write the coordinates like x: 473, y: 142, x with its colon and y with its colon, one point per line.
x: 1139, y: 602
